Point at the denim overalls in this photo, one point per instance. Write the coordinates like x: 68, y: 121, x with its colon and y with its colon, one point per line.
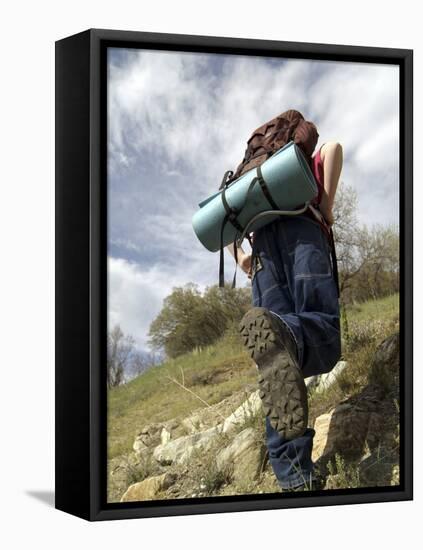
x: 292, y: 276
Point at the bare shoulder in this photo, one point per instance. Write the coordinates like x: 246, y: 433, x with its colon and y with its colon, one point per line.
x: 330, y: 146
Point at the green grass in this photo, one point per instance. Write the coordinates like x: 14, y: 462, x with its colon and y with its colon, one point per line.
x: 374, y: 309
x: 216, y: 372
x: 369, y: 324
x: 212, y: 374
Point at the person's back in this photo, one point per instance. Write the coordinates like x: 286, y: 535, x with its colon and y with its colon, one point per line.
x: 293, y: 330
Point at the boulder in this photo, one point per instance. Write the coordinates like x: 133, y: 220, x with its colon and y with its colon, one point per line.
x: 155, y: 434
x: 149, y: 488
x: 244, y: 456
x: 322, y: 382
x: 209, y: 417
x: 122, y: 469
x: 165, y: 436
x: 179, y: 450
x: 201, y: 420
x: 248, y: 408
x: 139, y: 446
x: 149, y: 436
x: 345, y: 430
x: 384, y: 369
x: 356, y: 426
x: 387, y: 354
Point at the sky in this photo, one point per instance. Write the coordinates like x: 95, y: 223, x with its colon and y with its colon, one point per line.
x: 177, y: 121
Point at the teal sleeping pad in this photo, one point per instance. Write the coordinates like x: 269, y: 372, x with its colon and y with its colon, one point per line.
x: 291, y: 184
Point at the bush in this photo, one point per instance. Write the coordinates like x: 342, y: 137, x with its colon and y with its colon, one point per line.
x: 372, y: 331
x: 190, y: 320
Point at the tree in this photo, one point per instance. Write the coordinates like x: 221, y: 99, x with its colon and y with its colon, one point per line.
x: 139, y: 362
x: 189, y: 319
x: 377, y: 273
x: 138, y: 365
x: 368, y: 257
x: 119, y: 349
x: 346, y: 233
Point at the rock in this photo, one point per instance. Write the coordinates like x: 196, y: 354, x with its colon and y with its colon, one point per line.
x: 179, y: 450
x: 139, y: 446
x: 395, y: 476
x: 374, y: 431
x: 122, y: 469
x: 164, y: 436
x: 384, y: 369
x: 387, y: 354
x: 243, y: 456
x: 201, y: 420
x: 149, y: 488
x: 322, y: 382
x: 249, y: 408
x: 209, y: 417
x: 156, y: 434
x: 346, y: 431
x: 118, y: 467
x: 149, y: 436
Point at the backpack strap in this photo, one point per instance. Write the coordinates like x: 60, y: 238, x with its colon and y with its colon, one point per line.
x: 226, y: 179
x: 232, y: 217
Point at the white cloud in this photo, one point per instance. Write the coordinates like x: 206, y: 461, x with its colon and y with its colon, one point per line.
x: 135, y: 297
x: 136, y: 293
x: 177, y: 121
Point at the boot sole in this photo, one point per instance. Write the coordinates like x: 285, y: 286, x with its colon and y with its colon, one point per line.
x: 281, y: 383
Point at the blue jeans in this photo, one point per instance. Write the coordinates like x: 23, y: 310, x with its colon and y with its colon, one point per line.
x: 293, y: 278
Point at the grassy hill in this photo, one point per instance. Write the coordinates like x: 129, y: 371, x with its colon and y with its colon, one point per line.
x: 209, y: 375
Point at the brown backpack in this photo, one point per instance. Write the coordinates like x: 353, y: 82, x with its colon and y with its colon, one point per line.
x: 273, y: 135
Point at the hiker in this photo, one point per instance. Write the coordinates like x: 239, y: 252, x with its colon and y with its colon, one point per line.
x: 293, y: 330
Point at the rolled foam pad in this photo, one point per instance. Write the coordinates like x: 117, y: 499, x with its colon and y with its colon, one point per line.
x: 289, y: 180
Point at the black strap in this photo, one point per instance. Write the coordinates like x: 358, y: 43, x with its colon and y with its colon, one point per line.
x: 232, y: 217
x: 226, y: 178
x: 334, y: 261
x: 222, y: 257
x: 231, y: 212
x: 265, y: 189
x: 236, y: 263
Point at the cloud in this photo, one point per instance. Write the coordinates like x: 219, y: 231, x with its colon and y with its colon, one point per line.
x: 135, y: 297
x: 136, y: 293
x: 177, y: 121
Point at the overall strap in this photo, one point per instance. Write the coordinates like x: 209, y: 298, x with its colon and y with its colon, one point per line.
x: 318, y: 215
x: 334, y: 261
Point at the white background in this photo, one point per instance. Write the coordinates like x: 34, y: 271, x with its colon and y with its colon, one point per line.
x: 28, y: 32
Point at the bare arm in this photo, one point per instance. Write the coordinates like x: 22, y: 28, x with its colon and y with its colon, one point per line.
x: 244, y: 259
x: 332, y: 157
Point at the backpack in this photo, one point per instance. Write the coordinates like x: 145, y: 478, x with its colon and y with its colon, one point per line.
x: 274, y: 134
x: 263, y: 143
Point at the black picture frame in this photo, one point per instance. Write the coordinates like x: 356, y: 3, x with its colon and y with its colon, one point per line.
x: 81, y: 272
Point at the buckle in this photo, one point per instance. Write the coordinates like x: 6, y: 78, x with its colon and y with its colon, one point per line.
x: 233, y: 214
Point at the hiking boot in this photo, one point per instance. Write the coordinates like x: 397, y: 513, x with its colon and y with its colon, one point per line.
x: 281, y: 383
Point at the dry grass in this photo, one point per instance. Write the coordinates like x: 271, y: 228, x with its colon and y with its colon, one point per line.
x: 209, y: 375
x: 212, y: 374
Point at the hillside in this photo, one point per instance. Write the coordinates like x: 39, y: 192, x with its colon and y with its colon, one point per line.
x: 181, y: 404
